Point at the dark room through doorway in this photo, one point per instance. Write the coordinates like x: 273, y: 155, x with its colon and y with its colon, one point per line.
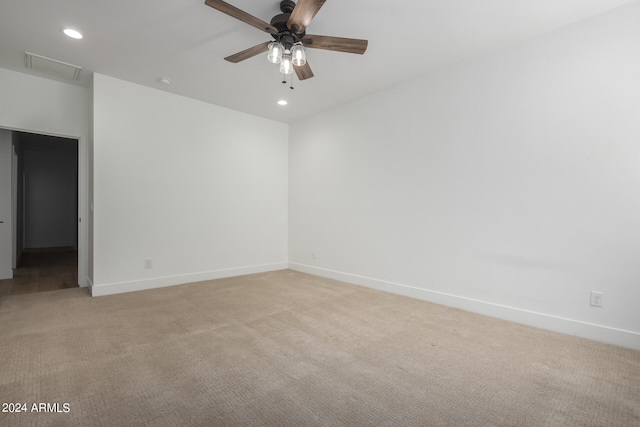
x: 45, y: 196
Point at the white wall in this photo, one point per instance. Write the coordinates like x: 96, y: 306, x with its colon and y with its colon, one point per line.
x: 199, y: 189
x: 6, y: 222
x: 39, y: 105
x: 508, y: 185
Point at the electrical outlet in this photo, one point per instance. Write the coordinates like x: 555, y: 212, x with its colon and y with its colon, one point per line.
x: 147, y: 263
x: 596, y: 299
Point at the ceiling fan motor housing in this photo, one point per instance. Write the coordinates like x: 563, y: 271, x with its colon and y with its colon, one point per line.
x: 285, y: 36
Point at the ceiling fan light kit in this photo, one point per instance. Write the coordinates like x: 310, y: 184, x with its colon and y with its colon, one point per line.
x: 288, y: 30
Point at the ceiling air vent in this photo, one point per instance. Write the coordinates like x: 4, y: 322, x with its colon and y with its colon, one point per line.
x: 51, y: 66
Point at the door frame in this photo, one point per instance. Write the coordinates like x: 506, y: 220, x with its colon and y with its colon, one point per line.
x: 83, y: 204
x: 14, y: 205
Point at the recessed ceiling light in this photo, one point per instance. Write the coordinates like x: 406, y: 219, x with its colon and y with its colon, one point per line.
x: 74, y: 34
x: 282, y: 102
x: 165, y: 80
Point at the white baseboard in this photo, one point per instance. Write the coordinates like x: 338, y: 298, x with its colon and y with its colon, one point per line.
x: 591, y: 331
x: 160, y: 282
x: 89, y: 285
x: 8, y: 274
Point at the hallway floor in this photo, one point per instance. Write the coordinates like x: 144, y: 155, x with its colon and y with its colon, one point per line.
x: 42, y: 270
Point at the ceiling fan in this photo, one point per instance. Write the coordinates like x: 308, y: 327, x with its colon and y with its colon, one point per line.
x: 288, y: 30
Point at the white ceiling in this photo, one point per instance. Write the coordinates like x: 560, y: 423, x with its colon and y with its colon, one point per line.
x: 186, y: 41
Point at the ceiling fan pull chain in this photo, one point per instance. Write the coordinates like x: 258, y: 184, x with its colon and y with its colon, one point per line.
x: 291, y: 87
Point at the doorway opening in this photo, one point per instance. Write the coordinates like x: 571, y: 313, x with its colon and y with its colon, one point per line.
x: 45, y: 209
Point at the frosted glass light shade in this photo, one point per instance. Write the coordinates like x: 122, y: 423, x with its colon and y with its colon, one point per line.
x: 275, y: 52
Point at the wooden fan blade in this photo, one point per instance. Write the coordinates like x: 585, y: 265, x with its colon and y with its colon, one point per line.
x: 248, y: 53
x: 243, y: 16
x: 302, y: 14
x: 303, y: 71
x: 339, y: 44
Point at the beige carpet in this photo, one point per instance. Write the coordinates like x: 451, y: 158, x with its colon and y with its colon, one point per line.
x: 290, y: 349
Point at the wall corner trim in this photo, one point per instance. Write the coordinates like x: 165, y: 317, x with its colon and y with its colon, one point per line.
x: 605, y: 334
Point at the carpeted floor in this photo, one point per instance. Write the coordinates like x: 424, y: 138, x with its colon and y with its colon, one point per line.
x: 290, y: 349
